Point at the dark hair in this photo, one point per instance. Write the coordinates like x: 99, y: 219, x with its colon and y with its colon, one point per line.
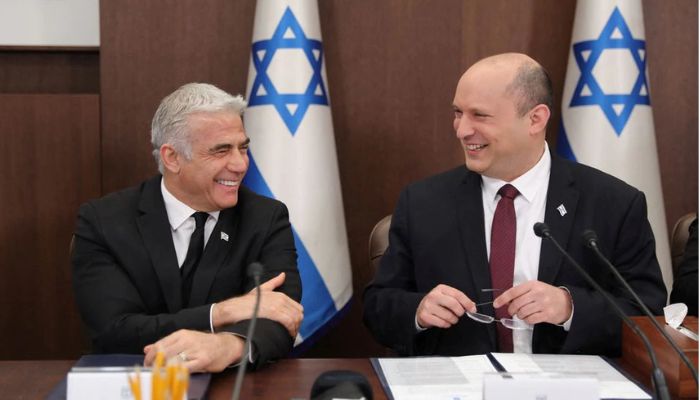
x: 531, y: 86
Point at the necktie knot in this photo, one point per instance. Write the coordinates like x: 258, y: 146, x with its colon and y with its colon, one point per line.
x: 509, y: 191
x: 200, y: 218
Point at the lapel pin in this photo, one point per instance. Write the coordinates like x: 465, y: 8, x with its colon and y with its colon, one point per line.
x: 224, y: 236
x: 562, y: 210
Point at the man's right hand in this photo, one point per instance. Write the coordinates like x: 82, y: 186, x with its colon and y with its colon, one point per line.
x: 276, y: 306
x: 442, y: 307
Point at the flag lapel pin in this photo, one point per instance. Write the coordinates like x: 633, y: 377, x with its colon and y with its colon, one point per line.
x: 562, y: 210
x: 224, y: 236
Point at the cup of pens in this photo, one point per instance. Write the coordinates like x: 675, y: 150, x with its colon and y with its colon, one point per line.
x: 169, y: 381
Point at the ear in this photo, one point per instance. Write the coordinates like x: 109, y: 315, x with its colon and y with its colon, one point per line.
x: 539, y: 116
x: 170, y: 158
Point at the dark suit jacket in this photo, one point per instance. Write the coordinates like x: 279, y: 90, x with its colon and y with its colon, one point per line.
x: 437, y: 236
x: 127, y: 281
x: 685, y: 284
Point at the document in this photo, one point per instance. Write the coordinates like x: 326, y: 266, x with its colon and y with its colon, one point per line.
x: 613, y: 385
x: 461, y: 378
x: 453, y: 378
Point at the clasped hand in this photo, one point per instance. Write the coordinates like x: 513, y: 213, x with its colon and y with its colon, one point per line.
x: 532, y: 302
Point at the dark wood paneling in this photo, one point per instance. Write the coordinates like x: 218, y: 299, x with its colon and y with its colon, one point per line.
x: 672, y: 46
x: 150, y: 48
x: 50, y: 164
x: 30, y: 70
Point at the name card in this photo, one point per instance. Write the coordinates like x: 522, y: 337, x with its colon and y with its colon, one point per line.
x: 105, y: 383
x: 540, y: 386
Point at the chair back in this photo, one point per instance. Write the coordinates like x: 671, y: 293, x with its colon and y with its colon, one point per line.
x: 379, y: 241
x: 679, y: 238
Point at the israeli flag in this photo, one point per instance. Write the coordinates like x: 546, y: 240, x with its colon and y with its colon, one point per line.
x: 606, y: 108
x: 292, y: 151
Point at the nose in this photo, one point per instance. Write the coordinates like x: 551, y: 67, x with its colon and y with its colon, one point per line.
x: 238, y: 162
x: 463, y: 127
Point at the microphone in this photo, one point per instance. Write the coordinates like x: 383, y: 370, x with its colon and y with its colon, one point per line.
x: 657, y: 377
x: 254, y: 271
x: 590, y: 239
x: 341, y: 384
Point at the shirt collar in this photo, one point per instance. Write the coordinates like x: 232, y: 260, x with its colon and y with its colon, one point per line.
x: 177, y: 211
x: 528, y: 184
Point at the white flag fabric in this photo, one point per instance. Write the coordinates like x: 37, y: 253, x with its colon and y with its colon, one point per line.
x: 607, y: 120
x: 292, y: 151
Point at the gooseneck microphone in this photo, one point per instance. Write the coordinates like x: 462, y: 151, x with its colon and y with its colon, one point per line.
x: 255, y: 271
x: 590, y: 239
x: 657, y: 377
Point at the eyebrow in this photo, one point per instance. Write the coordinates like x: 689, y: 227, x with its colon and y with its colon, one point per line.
x: 223, y: 146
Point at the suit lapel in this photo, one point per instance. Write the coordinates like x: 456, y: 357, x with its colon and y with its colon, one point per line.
x: 470, y: 214
x: 562, y: 198
x: 218, y: 247
x: 154, y: 227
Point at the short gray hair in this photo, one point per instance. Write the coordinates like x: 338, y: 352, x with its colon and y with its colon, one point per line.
x: 532, y: 86
x: 169, y: 125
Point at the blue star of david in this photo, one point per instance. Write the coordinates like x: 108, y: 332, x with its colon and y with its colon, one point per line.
x: 288, y: 35
x: 639, y: 93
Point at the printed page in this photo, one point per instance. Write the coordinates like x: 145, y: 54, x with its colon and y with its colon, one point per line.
x: 458, y: 378
x: 613, y: 385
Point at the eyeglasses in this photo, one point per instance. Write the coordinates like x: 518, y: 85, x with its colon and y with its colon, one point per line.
x: 514, y: 324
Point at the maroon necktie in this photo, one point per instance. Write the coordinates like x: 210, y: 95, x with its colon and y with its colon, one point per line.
x: 503, y: 257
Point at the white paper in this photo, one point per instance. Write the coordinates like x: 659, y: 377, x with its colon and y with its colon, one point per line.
x: 613, y: 385
x: 456, y: 378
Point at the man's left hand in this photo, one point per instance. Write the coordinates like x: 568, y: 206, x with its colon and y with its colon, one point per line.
x: 200, y: 352
x: 535, y: 302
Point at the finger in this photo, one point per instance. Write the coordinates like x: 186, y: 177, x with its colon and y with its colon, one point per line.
x: 442, y: 313
x: 510, y: 294
x: 535, y: 318
x: 521, y: 301
x: 451, y: 304
x: 273, y: 283
x: 528, y: 310
x: 430, y: 320
x: 461, y: 299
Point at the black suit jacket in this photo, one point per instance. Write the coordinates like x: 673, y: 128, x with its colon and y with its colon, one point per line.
x: 437, y: 236
x: 127, y: 280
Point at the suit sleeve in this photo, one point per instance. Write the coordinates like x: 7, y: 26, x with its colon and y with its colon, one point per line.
x: 391, y: 299
x: 685, y: 284
x: 630, y: 247
x: 111, y: 306
x: 278, y: 254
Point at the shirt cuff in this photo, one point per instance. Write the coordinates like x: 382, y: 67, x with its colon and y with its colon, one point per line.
x: 211, y: 317
x: 567, y: 324
x: 418, y: 327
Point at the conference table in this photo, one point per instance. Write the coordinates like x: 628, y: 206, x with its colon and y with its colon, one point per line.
x: 286, y: 379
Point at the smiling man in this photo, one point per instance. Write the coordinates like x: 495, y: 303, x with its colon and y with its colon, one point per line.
x: 464, y: 272
x: 162, y: 266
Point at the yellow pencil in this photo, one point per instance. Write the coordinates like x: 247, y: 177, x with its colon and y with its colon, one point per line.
x: 135, y: 383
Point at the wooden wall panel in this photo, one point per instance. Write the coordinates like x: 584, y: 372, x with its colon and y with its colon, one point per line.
x: 147, y: 50
x: 672, y: 45
x: 50, y: 163
x: 27, y: 70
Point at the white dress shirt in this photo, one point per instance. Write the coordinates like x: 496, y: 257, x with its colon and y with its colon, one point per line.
x: 182, y: 225
x: 529, y: 209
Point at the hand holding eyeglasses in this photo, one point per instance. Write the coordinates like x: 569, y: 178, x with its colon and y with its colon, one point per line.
x: 442, y: 307
x: 535, y: 302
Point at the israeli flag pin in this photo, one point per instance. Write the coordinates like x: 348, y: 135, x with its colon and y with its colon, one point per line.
x: 224, y: 236
x: 562, y: 210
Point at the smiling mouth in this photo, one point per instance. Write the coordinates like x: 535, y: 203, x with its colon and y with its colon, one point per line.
x: 475, y: 147
x: 227, y: 183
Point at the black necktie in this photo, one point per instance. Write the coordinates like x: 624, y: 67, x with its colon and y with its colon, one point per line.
x: 194, y: 254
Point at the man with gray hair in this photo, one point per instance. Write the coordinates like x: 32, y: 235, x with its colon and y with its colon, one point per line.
x: 162, y: 266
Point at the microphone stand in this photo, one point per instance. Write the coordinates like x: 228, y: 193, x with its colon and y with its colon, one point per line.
x: 591, y: 240
x: 657, y: 377
x: 255, y: 270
